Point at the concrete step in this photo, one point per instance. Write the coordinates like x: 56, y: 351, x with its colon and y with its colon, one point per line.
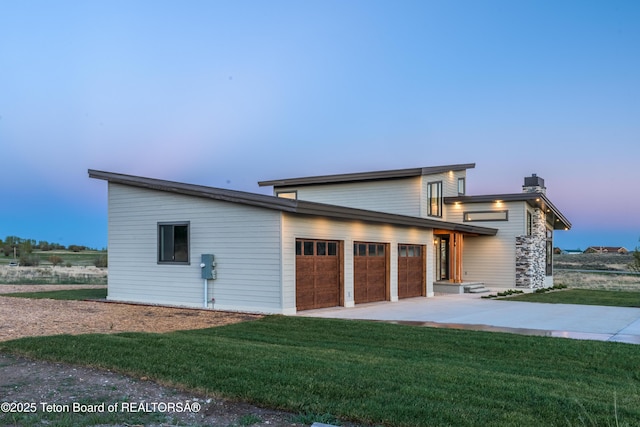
x: 475, y: 289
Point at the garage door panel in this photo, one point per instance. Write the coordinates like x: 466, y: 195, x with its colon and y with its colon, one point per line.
x: 318, y: 275
x: 411, y: 271
x: 370, y: 272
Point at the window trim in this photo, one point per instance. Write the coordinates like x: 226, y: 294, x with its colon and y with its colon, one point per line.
x: 160, y: 226
x: 462, y: 186
x: 287, y: 194
x: 504, y: 217
x: 549, y: 253
x: 439, y: 198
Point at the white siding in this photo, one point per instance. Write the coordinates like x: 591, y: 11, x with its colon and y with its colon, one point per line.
x: 491, y: 259
x: 398, y: 196
x: 245, y: 241
x: 295, y: 227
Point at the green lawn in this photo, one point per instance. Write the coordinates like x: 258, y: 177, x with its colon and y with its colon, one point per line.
x: 378, y: 373
x: 70, y: 294
x: 584, y: 296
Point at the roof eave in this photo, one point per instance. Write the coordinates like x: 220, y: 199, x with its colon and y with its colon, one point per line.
x: 539, y: 200
x: 286, y: 205
x: 233, y: 196
x: 365, y: 176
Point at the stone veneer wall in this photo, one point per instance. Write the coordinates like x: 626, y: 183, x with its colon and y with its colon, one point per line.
x: 531, y: 254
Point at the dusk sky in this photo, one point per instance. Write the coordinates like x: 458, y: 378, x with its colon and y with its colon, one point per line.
x: 228, y: 93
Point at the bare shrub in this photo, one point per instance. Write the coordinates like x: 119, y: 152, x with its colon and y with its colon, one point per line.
x: 55, y: 260
x: 101, y: 261
x: 29, y: 260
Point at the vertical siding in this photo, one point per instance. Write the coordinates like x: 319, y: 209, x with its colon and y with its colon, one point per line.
x: 398, y: 196
x: 491, y: 259
x: 295, y: 227
x: 245, y: 241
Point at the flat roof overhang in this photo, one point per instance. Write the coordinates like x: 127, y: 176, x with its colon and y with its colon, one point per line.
x: 365, y: 176
x: 537, y: 200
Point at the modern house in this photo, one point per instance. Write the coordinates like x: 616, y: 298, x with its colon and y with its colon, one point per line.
x: 324, y: 241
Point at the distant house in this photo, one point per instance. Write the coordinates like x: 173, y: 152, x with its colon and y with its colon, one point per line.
x: 323, y: 241
x: 606, y: 250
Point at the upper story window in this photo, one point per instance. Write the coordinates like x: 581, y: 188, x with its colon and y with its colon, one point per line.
x: 462, y: 186
x: 434, y: 195
x: 486, y: 216
x: 173, y: 242
x: 287, y: 194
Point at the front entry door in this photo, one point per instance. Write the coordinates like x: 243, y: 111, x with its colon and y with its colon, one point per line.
x: 442, y: 257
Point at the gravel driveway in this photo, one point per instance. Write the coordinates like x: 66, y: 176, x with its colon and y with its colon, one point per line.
x: 30, y: 381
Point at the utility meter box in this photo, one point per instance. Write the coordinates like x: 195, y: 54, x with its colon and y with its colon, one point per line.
x: 208, y: 266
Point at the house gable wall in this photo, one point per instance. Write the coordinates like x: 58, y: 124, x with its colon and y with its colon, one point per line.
x: 245, y: 241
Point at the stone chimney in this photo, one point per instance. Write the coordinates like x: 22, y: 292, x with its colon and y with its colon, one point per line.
x: 534, y: 184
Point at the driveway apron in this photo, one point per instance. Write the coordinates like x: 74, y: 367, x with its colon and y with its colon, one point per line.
x: 469, y: 311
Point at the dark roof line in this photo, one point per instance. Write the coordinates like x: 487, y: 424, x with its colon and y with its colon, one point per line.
x: 366, y: 176
x: 300, y: 207
x: 539, y: 200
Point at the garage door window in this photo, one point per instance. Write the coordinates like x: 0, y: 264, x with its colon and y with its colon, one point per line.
x: 368, y: 249
x: 410, y: 251
x: 316, y: 248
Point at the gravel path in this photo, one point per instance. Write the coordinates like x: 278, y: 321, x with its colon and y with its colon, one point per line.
x: 40, y: 383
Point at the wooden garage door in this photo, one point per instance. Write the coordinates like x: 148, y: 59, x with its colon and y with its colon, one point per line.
x: 370, y: 272
x: 317, y: 274
x: 411, y: 271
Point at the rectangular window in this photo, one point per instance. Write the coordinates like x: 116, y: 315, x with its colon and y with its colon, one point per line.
x: 549, y: 260
x: 362, y: 249
x: 461, y: 186
x: 549, y: 263
x: 434, y: 195
x: 333, y: 249
x: 529, y: 224
x: 486, y: 216
x: 308, y: 248
x: 321, y: 248
x: 287, y: 194
x: 173, y: 243
x: 372, y: 250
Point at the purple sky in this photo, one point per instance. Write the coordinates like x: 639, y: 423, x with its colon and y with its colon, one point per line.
x: 229, y: 93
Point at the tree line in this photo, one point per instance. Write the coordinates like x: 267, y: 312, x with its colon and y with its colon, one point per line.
x: 17, y: 246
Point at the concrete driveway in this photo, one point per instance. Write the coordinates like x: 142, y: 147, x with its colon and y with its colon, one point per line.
x: 469, y: 311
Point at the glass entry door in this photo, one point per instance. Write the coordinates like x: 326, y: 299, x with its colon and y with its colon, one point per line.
x: 442, y: 257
